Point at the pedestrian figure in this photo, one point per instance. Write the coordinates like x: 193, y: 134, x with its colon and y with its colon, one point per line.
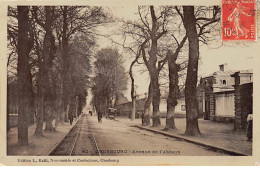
x: 71, y: 118
x: 250, y: 127
x: 142, y: 116
x: 90, y: 112
x: 99, y: 116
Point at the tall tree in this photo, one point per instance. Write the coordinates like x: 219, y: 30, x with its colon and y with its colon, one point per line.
x: 152, y: 68
x: 12, y: 64
x: 45, y: 98
x: 25, y: 43
x: 133, y: 92
x: 146, y: 33
x: 197, y: 27
x: 189, y: 19
x: 65, y: 77
x: 174, y: 67
x: 174, y: 90
x: 110, y: 78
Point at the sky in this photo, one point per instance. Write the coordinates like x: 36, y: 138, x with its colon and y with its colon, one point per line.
x: 238, y: 56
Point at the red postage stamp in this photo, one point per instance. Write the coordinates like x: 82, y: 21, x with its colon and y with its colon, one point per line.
x: 238, y: 20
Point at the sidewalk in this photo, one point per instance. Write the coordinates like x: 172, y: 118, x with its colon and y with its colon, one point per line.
x: 38, y: 146
x: 214, y: 134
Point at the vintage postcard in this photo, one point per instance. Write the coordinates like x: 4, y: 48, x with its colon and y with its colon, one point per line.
x: 130, y: 83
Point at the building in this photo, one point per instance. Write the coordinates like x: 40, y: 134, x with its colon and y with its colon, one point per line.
x: 217, y: 98
x: 125, y: 109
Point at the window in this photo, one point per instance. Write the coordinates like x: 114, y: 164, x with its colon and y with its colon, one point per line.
x: 224, y: 82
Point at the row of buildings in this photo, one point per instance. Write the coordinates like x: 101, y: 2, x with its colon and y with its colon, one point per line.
x: 223, y: 96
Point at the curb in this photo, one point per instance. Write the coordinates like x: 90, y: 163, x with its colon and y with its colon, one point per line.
x: 56, y: 145
x: 212, y: 147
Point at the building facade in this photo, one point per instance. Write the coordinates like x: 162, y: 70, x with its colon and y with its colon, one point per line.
x: 218, y: 94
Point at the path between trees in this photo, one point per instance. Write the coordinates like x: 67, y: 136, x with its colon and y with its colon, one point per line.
x: 38, y: 146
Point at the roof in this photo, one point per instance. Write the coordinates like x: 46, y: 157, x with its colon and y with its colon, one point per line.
x: 225, y: 73
x: 228, y: 72
x: 245, y: 71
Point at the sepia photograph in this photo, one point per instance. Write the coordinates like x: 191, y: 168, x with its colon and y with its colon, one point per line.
x: 138, y: 80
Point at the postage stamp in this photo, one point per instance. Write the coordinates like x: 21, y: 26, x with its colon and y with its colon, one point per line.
x: 238, y: 20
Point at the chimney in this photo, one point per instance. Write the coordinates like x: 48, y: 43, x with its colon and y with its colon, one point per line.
x: 223, y: 67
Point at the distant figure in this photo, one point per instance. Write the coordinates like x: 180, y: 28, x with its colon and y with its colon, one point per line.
x: 71, y: 118
x: 142, y: 116
x: 249, y: 127
x: 90, y: 112
x: 99, y: 116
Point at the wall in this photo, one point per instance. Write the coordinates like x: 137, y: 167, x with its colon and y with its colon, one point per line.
x: 180, y: 110
x: 243, y: 98
x: 229, y: 80
x: 126, y: 108
x: 224, y: 104
x: 243, y: 105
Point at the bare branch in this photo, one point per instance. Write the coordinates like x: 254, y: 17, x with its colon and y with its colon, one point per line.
x: 179, y: 12
x: 145, y: 24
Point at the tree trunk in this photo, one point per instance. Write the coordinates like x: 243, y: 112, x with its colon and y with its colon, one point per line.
x: 39, y: 117
x: 154, y: 71
x: 133, y: 96
x: 45, y: 94
x: 65, y: 67
x: 32, y: 105
x: 172, y: 100
x: 192, y: 127
x: 49, y: 126
x: 156, y: 99
x: 61, y: 105
x: 80, y: 105
x: 147, y: 104
x: 25, y: 43
x: 49, y: 115
x: 133, y: 109
x: 66, y: 113
x: 57, y: 120
x: 72, y: 108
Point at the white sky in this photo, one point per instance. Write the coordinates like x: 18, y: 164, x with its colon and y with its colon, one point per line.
x: 237, y: 56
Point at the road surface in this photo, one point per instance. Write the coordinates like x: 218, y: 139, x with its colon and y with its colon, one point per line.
x: 114, y: 138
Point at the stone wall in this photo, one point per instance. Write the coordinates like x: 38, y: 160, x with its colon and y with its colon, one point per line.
x: 212, y: 106
x: 243, y: 105
x: 243, y: 98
